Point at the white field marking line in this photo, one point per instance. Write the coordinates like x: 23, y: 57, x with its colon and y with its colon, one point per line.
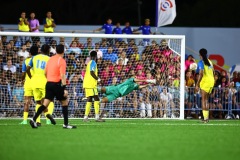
x: 144, y: 124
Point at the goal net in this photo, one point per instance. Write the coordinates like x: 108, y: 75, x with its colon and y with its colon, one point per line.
x: 120, y: 57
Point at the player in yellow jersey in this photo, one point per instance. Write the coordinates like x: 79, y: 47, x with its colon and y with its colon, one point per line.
x: 39, y: 80
x: 205, y: 82
x: 90, y: 85
x: 28, y: 93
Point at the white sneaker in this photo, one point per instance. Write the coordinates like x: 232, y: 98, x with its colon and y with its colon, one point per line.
x: 228, y: 117
x: 69, y: 127
x: 153, y: 81
x: 164, y: 116
x: 237, y: 116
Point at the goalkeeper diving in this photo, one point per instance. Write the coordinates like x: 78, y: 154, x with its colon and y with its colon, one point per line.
x: 115, y: 91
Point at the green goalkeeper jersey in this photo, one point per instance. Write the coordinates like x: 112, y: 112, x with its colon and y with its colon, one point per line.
x: 127, y: 87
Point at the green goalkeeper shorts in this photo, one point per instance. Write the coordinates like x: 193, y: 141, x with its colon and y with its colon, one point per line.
x: 112, y: 93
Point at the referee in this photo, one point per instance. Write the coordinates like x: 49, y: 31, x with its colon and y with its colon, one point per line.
x: 55, y: 87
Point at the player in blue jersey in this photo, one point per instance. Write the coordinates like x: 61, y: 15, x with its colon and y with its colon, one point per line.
x: 108, y: 27
x: 127, y: 29
x: 146, y: 30
x: 117, y: 30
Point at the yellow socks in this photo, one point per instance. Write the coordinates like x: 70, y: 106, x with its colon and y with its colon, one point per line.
x: 87, y: 109
x: 25, y: 115
x: 36, y: 108
x: 50, y: 109
x: 205, y: 114
x: 96, y: 108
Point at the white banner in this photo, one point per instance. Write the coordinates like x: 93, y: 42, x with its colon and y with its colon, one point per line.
x: 166, y: 12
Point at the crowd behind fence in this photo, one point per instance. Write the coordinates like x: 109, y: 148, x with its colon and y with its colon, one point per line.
x: 117, y: 61
x: 151, y: 102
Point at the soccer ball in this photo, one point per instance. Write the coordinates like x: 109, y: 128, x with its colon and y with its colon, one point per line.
x: 193, y: 66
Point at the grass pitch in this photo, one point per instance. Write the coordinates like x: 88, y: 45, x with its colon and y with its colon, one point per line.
x: 121, y: 140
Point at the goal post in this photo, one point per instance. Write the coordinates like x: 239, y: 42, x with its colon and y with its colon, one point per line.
x: 120, y: 57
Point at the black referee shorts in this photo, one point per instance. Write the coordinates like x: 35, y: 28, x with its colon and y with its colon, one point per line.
x: 54, y: 89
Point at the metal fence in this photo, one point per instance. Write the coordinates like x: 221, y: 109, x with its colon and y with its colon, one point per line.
x: 149, y: 102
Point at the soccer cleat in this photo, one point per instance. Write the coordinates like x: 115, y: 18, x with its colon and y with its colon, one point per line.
x: 33, y: 123
x: 39, y: 124
x: 153, y: 81
x: 237, y: 116
x: 69, y: 127
x: 99, y: 120
x: 23, y: 122
x: 204, y: 121
x: 48, y: 121
x: 49, y: 116
x: 86, y: 120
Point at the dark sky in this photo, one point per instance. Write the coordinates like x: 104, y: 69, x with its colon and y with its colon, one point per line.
x: 190, y: 13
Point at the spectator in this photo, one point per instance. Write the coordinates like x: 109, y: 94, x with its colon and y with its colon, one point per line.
x: 165, y: 50
x: 23, y: 26
x: 62, y: 41
x: 89, y: 43
x: 146, y: 30
x: 77, y: 40
x: 1, y: 63
x: 28, y: 45
x: 34, y: 27
x: 4, y: 40
x: 117, y: 30
x: 17, y: 43
x: 124, y: 59
x: 9, y: 66
x: 190, y: 59
x: 108, y: 29
x: 99, y: 52
x: 18, y: 94
x: 23, y: 52
x: 74, y: 48
x: 127, y: 29
x: 49, y: 25
x: 110, y: 55
x: 75, y: 93
x: 167, y: 103
x: 145, y: 103
x: 235, y: 77
x: 53, y: 45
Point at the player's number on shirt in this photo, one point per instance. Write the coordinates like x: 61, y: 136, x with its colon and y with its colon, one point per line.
x: 41, y: 64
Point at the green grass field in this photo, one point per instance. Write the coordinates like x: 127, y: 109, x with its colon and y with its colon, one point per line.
x: 121, y: 139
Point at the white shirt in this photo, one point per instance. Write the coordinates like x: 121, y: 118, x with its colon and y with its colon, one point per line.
x: 52, y: 50
x: 25, y: 54
x: 166, y: 97
x: 99, y: 54
x: 12, y: 68
x: 125, y: 60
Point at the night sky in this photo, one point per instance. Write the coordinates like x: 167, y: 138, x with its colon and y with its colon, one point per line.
x: 190, y: 13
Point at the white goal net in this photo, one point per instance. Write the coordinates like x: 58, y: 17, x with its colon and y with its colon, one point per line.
x: 120, y: 57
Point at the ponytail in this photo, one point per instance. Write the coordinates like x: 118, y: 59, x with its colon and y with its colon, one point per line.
x: 203, y: 53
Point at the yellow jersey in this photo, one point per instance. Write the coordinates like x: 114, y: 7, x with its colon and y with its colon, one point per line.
x: 89, y: 81
x: 38, y: 64
x: 49, y: 22
x: 27, y: 82
x: 24, y: 27
x: 207, y: 82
